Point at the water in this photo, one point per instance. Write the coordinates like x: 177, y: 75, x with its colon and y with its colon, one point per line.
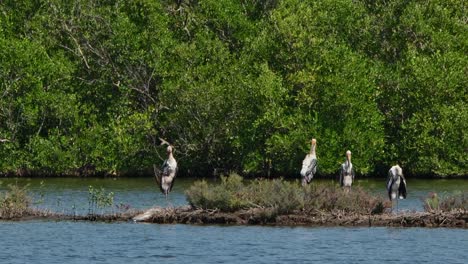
x: 84, y: 242
x: 418, y: 190
x: 70, y: 195
x: 88, y: 242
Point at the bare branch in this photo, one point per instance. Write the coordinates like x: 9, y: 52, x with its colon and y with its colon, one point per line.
x: 76, y: 43
x: 164, y: 142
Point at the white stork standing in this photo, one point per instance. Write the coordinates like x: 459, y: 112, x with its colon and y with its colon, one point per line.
x: 165, y: 177
x: 396, y: 184
x: 347, y: 172
x: 309, y: 164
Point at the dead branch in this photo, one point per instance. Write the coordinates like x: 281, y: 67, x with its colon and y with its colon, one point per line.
x: 69, y: 31
x: 164, y: 142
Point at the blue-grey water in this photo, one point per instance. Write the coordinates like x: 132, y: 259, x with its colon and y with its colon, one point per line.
x: 84, y: 242
x: 70, y: 195
x: 88, y: 242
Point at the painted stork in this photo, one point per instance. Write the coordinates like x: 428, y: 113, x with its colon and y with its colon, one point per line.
x: 396, y: 184
x: 309, y: 164
x: 165, y: 177
x: 347, y: 172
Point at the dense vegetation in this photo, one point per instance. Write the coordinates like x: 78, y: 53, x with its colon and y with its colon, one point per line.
x: 278, y: 197
x: 259, y: 201
x: 90, y: 85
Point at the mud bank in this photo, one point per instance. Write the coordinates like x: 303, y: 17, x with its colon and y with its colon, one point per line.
x: 186, y: 215
x: 259, y: 216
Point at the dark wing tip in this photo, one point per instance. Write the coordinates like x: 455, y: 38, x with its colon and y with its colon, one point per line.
x: 172, y: 184
x: 402, y: 188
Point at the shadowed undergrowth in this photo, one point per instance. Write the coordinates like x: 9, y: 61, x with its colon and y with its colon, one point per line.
x: 282, y: 197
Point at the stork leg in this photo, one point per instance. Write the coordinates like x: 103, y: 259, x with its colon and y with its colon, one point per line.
x: 393, y: 206
x: 168, y: 202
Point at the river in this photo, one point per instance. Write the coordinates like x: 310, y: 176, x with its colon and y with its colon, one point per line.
x: 128, y: 242
x: 70, y: 195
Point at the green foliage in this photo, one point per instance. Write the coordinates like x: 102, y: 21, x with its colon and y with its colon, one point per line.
x: 281, y: 197
x: 98, y: 198
x: 446, y: 203
x: 225, y: 196
x: 235, y: 85
x: 432, y: 202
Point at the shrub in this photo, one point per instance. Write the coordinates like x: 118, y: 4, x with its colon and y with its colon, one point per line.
x: 99, y: 198
x: 281, y: 197
x: 227, y: 196
x: 446, y: 203
x: 328, y: 197
x: 14, y: 202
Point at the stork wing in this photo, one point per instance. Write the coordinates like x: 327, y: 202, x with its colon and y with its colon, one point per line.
x: 305, y: 165
x: 172, y: 184
x: 389, y: 184
x: 309, y: 167
x: 342, y: 173
x: 312, y: 168
x: 402, y: 188
x: 165, y: 168
x: 157, y: 174
x: 174, y: 174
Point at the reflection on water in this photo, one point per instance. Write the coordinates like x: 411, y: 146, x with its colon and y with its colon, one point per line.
x: 70, y: 195
x: 85, y: 242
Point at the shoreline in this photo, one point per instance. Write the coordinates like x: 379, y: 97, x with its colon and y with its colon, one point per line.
x: 263, y: 216
x: 260, y: 216
x: 9, y: 175
x: 90, y: 171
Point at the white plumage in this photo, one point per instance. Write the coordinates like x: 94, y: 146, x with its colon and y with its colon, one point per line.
x: 165, y: 177
x: 396, y: 183
x: 347, y: 172
x: 309, y: 164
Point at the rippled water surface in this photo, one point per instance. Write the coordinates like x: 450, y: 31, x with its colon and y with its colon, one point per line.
x: 87, y: 242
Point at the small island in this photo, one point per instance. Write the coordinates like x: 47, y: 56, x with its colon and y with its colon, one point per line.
x: 276, y: 202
